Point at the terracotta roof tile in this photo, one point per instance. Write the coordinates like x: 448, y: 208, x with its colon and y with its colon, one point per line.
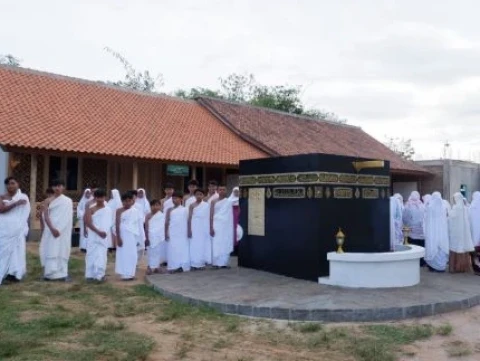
x: 50, y: 112
x: 287, y: 134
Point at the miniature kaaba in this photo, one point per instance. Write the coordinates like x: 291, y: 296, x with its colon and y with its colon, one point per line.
x: 293, y: 207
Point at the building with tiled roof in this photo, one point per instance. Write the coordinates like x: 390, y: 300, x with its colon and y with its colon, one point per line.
x: 282, y: 134
x: 92, y: 133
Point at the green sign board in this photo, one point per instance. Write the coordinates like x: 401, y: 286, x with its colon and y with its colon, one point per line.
x: 178, y: 170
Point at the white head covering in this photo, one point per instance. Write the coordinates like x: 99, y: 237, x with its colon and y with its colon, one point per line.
x: 474, y: 213
x: 233, y: 198
x: 426, y: 198
x: 413, y: 215
x: 116, y: 201
x: 459, y: 227
x: 83, y: 202
x: 435, y: 227
x: 414, y: 200
x: 399, y: 199
x: 142, y: 204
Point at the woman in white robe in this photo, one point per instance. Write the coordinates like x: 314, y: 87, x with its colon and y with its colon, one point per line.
x: 221, y: 232
x: 460, y: 237
x: 97, y: 245
x: 198, y: 231
x: 14, y: 213
x: 157, y: 247
x: 396, y: 222
x: 436, y: 234
x: 114, y: 203
x: 81, y: 208
x: 142, y: 202
x: 178, y: 252
x: 474, y: 215
x: 413, y: 216
x: 129, y: 230
x: 57, y: 237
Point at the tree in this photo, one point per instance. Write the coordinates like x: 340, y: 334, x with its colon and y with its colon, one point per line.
x: 280, y: 97
x: 237, y: 87
x: 322, y: 115
x: 9, y: 60
x: 197, y: 92
x: 135, y: 79
x: 243, y: 88
x: 403, y: 147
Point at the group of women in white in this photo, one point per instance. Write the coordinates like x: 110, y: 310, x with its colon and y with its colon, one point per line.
x: 177, y: 233
x: 450, y: 234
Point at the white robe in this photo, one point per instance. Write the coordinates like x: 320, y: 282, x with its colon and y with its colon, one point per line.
x: 167, y: 204
x: 459, y: 227
x: 222, y: 242
x: 200, y: 226
x: 131, y: 232
x: 114, y: 203
x: 80, y: 215
x: 97, y: 247
x: 396, y: 234
x: 157, y: 251
x: 413, y: 216
x: 189, y: 201
x: 141, y: 240
x: 436, y: 234
x: 474, y: 213
x: 178, y: 253
x: 13, y: 233
x: 56, y: 251
x: 212, y: 197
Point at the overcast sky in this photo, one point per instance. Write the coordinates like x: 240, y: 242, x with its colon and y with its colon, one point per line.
x: 396, y: 68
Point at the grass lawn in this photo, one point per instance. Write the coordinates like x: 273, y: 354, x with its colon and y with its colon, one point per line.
x: 124, y: 321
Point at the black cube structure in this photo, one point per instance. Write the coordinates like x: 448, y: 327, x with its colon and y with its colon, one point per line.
x: 292, y: 208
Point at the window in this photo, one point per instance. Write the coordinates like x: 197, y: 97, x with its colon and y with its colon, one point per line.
x: 54, y: 169
x: 64, y: 168
x: 72, y: 174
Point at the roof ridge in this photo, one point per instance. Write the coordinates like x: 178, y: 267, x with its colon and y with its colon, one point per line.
x: 298, y: 116
x: 98, y: 83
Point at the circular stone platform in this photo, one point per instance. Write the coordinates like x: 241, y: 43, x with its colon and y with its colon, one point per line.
x: 248, y: 292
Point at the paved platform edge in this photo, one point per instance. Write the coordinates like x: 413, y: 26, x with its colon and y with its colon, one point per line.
x: 327, y: 315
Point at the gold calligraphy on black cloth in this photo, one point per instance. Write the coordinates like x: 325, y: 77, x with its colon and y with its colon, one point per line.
x: 324, y: 178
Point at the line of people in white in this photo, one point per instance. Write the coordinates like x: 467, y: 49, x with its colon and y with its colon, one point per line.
x: 449, y: 234
x: 179, y: 233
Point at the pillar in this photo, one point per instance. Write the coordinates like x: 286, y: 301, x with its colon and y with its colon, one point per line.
x: 194, y: 172
x: 135, y: 175
x: 33, y: 188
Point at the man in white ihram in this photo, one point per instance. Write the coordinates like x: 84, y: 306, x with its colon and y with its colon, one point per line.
x: 14, y: 212
x: 221, y: 229
x: 57, y: 236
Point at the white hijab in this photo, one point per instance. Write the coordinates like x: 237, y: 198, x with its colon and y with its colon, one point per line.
x: 142, y: 204
x: 474, y: 213
x: 435, y: 227
x: 399, y: 199
x: 234, y: 199
x: 413, y: 215
x: 83, y: 202
x: 426, y: 198
x: 115, y: 202
x: 459, y: 227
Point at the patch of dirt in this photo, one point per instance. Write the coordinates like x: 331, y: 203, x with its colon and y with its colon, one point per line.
x: 465, y: 335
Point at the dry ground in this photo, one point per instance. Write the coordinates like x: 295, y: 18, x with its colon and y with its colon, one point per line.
x: 128, y: 321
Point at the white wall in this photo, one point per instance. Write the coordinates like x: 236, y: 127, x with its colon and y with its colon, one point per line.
x: 405, y: 188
